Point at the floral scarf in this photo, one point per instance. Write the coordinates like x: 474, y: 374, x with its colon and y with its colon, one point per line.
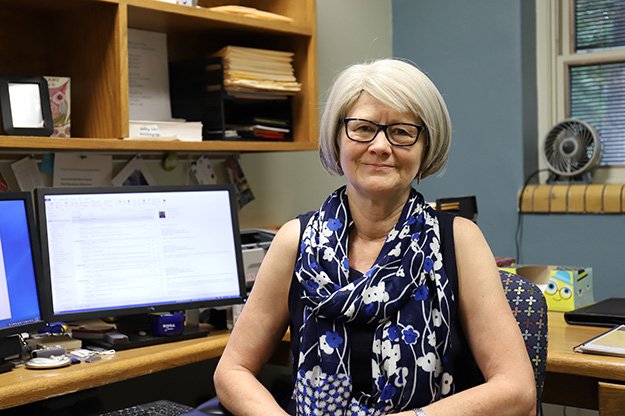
x: 405, y: 297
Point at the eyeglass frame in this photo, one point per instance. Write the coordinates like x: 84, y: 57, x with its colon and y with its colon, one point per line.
x: 383, y: 127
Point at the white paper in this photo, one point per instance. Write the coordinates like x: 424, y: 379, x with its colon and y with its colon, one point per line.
x: 5, y: 307
x: 203, y: 171
x: 27, y: 174
x: 166, y: 130
x: 74, y: 169
x: 148, y: 76
x: 25, y: 105
x: 134, y: 172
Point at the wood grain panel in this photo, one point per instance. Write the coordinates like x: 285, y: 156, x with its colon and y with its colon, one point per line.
x: 611, y: 399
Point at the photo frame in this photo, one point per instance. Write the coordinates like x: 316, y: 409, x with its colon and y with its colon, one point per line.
x: 134, y: 173
x: 25, y: 106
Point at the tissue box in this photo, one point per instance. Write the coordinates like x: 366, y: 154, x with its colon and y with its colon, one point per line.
x: 565, y: 288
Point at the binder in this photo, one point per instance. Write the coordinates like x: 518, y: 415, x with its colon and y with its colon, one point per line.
x: 608, y: 312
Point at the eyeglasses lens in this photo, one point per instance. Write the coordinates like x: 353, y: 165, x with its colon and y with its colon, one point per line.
x: 365, y: 131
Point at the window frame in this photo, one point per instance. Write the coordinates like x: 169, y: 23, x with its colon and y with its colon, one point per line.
x: 555, y: 52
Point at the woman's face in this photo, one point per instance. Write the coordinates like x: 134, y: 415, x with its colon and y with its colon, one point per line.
x: 378, y: 168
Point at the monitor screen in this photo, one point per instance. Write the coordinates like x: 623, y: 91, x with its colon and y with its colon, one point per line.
x: 126, y: 250
x: 19, y: 267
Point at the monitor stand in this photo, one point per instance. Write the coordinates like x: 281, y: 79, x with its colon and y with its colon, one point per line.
x: 136, y: 328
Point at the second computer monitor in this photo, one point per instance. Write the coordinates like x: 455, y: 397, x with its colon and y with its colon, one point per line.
x: 129, y: 250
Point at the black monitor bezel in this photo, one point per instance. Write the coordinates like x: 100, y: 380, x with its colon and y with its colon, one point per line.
x: 47, y: 302
x: 26, y: 198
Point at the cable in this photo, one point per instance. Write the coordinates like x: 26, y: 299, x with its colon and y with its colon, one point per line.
x: 519, y: 224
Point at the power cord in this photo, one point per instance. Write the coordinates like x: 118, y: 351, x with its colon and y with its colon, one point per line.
x: 519, y: 225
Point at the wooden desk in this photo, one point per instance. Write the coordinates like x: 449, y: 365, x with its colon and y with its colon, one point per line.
x: 582, y: 380
x: 573, y: 379
x: 22, y: 385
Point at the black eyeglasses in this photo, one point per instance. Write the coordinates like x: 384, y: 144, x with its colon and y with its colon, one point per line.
x: 397, y: 134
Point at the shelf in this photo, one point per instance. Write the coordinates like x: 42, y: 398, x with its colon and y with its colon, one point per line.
x: 166, y: 17
x: 35, y: 144
x: 87, y: 41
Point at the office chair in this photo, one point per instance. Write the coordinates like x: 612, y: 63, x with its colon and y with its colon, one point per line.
x: 529, y: 308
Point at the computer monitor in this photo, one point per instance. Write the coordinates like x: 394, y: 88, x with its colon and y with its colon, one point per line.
x: 138, y: 250
x: 19, y: 273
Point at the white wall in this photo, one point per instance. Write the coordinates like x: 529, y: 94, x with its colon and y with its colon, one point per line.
x: 286, y: 184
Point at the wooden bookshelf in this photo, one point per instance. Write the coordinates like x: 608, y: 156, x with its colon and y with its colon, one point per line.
x: 87, y: 40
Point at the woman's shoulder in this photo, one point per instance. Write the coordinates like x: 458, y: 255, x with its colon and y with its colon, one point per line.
x: 288, y: 233
x: 465, y: 228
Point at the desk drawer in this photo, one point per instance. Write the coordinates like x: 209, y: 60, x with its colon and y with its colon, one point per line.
x: 611, y: 399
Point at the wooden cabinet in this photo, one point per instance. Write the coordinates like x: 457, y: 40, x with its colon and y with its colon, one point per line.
x: 87, y: 40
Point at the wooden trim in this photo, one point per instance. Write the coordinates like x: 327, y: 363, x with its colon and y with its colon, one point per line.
x: 22, y: 385
x: 574, y: 199
x: 34, y: 144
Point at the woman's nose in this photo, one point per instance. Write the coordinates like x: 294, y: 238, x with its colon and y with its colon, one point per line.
x: 380, y: 142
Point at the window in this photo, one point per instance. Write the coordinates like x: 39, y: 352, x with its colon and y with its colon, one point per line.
x: 581, y: 72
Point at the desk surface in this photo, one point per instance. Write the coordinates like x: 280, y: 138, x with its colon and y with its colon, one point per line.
x: 22, y: 386
x: 562, y: 359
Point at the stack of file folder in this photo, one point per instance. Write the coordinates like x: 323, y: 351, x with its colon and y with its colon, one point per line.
x: 239, y: 94
x: 258, y: 70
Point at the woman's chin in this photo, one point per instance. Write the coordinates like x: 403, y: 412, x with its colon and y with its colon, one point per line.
x: 380, y: 187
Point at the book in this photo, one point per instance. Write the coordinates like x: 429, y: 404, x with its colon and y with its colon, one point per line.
x: 611, y: 342
x: 60, y: 104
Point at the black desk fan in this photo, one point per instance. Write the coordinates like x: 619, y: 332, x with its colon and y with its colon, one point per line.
x: 571, y: 150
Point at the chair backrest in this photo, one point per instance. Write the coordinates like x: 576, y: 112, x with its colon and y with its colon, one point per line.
x: 530, y: 310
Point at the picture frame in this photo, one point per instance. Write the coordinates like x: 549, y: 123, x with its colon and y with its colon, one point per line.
x: 25, y: 106
x: 134, y: 173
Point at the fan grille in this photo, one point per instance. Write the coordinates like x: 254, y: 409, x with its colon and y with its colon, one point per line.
x: 571, y: 148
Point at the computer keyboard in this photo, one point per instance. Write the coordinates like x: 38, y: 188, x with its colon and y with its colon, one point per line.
x: 157, y: 408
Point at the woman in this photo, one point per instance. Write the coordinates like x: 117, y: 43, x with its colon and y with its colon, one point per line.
x: 388, y: 301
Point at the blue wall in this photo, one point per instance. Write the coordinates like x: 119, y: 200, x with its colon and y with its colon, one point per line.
x: 473, y: 54
x: 481, y: 55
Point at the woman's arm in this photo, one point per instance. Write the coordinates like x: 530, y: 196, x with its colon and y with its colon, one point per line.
x: 260, y: 327
x: 492, y: 333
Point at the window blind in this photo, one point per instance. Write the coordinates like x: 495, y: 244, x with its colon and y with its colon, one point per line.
x: 599, y: 24
x: 597, y: 96
x: 597, y: 90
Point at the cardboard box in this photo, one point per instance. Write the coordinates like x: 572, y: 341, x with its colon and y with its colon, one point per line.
x: 565, y: 288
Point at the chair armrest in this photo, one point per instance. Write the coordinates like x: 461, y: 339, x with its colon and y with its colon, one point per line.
x: 213, y: 407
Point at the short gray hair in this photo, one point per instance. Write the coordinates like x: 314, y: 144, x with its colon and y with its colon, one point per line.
x: 404, y: 88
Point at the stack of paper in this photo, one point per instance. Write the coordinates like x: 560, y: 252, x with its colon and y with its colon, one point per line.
x: 258, y: 70
x: 188, y: 131
x: 250, y: 12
